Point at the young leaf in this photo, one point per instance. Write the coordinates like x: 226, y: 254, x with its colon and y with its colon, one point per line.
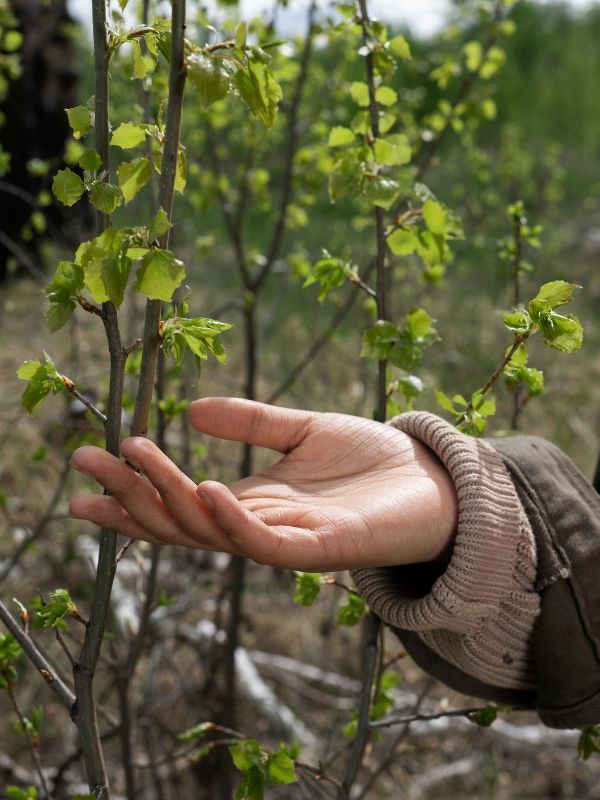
x: 259, y: 90
x: 589, y: 741
x: 353, y: 611
x: 159, y: 225
x: 434, y: 216
x: 43, y: 380
x: 403, y: 241
x: 340, y: 136
x: 281, y: 769
x: 210, y: 77
x: 67, y: 187
x: 105, y: 197
x: 308, y: 586
x: 80, y: 120
x: 386, y: 96
x: 90, y: 160
x: 159, y: 275
x: 59, y: 605
x: 359, y: 92
x: 128, y: 135
x: 400, y: 47
x: 106, y: 265
x: 133, y: 176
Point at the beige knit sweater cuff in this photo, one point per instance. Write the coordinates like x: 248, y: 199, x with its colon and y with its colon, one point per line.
x: 480, y: 613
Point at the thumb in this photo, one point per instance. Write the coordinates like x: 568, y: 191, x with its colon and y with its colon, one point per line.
x: 240, y: 420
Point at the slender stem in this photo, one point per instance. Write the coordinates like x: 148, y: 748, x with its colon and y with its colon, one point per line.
x: 379, y: 214
x: 494, y: 377
x: 388, y: 722
x: 516, y: 278
x: 362, y: 734
x: 151, y: 337
x: 33, y: 746
x: 37, y: 658
x: 84, y: 711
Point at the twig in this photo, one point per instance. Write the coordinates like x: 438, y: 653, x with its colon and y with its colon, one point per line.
x: 151, y: 339
x: 46, y: 670
x: 362, y: 734
x: 494, y: 377
x: 33, y: 746
x: 124, y: 549
x: 388, y: 722
x: 70, y: 387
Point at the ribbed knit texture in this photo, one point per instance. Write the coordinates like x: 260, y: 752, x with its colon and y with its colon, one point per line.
x: 480, y: 613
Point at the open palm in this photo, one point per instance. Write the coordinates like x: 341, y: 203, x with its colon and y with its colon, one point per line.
x: 347, y: 493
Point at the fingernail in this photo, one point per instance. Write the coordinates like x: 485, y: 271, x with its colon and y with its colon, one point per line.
x: 206, y: 498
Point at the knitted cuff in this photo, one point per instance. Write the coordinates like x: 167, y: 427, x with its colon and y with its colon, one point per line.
x: 480, y: 613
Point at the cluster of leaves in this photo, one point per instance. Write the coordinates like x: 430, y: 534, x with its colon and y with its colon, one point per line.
x: 53, y: 611
x: 403, y: 346
x: 511, y: 247
x: 43, y: 379
x: 558, y: 331
x: 308, y: 587
x: 259, y: 767
x: 10, y: 64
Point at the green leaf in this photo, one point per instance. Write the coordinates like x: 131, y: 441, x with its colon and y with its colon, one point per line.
x: 105, y: 265
x: 159, y: 225
x: 67, y: 187
x: 159, y: 275
x: 434, y: 216
x: 393, y: 151
x: 14, y: 793
x: 259, y: 90
x: 308, y: 586
x: 210, y: 77
x: 180, y: 171
x: 80, y: 120
x: 403, y: 241
x: 59, y: 606
x: 400, y: 47
x: 90, y: 160
x: 240, y: 36
x: 12, y: 41
x: 197, y: 732
x: 128, y: 135
x: 589, y: 741
x: 445, y: 402
x: 419, y: 323
x: 248, y: 753
x: 142, y: 64
x: 252, y: 785
x: 340, y: 136
x: 281, y: 769
x: 353, y: 611
x: 518, y: 321
x: 359, y: 92
x: 133, y: 176
x: 10, y: 650
x: 381, y: 191
x: 560, y: 332
x: 43, y: 380
x: 386, y: 96
x: 106, y: 197
x: 552, y: 295
x: 485, y: 716
x: 473, y: 54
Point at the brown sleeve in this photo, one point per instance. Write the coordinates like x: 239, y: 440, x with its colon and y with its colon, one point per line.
x: 564, y: 511
x: 471, y: 626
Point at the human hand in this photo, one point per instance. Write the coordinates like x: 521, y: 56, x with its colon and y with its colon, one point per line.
x: 348, y: 493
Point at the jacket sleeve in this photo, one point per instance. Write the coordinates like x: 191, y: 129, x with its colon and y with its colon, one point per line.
x: 515, y: 615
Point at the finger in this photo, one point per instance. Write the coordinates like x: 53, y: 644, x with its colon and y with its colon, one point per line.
x: 280, y: 429
x: 178, y: 492
x: 137, y: 496
x: 107, y: 512
x: 276, y: 545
